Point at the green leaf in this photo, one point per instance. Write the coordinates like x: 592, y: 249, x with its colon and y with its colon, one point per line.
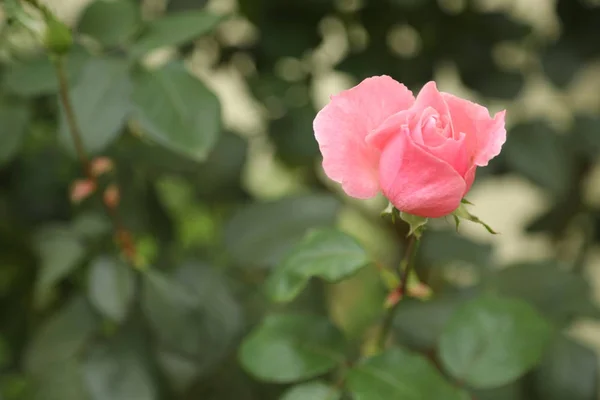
x: 174, y: 29
x: 491, y: 341
x: 289, y: 348
x: 439, y: 248
x: 91, y: 224
x: 553, y: 290
x: 537, y: 152
x: 114, y: 372
x: 101, y: 102
x: 59, y: 251
x: 399, y: 374
x: 312, y: 390
x: 111, y: 287
x: 61, y: 338
x: 569, y: 370
x: 195, y: 318
x: 64, y: 381
x: 328, y: 254
x: 260, y: 234
x: 37, y: 76
x: 110, y: 22
x: 176, y: 110
x: 14, y: 118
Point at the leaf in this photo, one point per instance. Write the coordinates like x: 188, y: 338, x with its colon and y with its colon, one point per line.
x: 111, y: 287
x: 101, y: 102
x: 111, y: 23
x: 114, y: 372
x: 569, y: 370
x: 399, y: 374
x: 61, y: 338
x: 14, y: 118
x: 289, y: 348
x: 315, y: 390
x: 538, y: 153
x: 59, y: 251
x: 328, y: 254
x: 176, y: 110
x: 491, y: 341
x: 260, y: 234
x: 37, y: 76
x: 173, y: 29
x: 554, y: 291
x: 194, y: 316
x: 64, y: 381
x: 439, y: 248
x: 91, y: 225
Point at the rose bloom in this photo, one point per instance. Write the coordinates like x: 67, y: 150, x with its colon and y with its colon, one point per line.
x: 421, y: 153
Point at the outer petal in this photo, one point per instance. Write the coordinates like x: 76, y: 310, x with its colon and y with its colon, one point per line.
x: 417, y: 182
x: 342, y: 126
x: 484, y: 135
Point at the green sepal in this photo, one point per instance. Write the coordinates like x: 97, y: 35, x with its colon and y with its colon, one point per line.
x: 462, y: 212
x: 58, y: 38
x: 416, y: 223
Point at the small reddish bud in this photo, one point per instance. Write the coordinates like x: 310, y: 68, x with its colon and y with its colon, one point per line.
x: 420, y: 291
x: 81, y: 189
x: 101, y: 166
x: 112, y: 196
x: 393, y: 298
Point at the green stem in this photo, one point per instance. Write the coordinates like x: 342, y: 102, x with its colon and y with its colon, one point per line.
x: 406, y: 266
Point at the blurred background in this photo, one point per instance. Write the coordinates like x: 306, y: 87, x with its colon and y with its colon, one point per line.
x: 205, y: 109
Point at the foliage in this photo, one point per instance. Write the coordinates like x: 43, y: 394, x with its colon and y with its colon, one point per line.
x: 178, y: 276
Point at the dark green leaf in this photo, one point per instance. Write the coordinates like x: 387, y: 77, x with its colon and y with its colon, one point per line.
x: 101, y: 102
x: 174, y: 29
x: 399, y: 374
x: 568, y: 371
x: 61, y: 338
x: 260, y: 234
x: 91, y: 225
x: 14, y: 118
x: 491, y: 341
x: 537, y: 152
x: 439, y: 248
x: 513, y: 391
x: 176, y: 110
x: 64, y: 381
x: 110, y: 22
x: 110, y: 287
x: 59, y: 251
x: 554, y: 291
x: 194, y: 317
x: 114, y: 372
x: 312, y: 390
x: 289, y: 348
x: 586, y: 132
x: 328, y: 254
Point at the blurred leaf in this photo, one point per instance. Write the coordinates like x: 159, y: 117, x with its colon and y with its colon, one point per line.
x: 61, y: 338
x: 64, y: 381
x: 421, y: 323
x: 14, y: 118
x: 289, y: 348
x: 569, y: 370
x: 555, y: 292
x: 491, y: 341
x: 561, y: 62
x: 91, y: 224
x: 110, y: 22
x: 586, y: 134
x: 443, y: 247
x: 60, y: 251
x: 110, y: 287
x: 535, y: 151
x: 293, y: 136
x: 113, y: 372
x: 174, y: 29
x: 259, y: 234
x: 176, y: 110
x: 328, y: 254
x: 101, y: 102
x: 399, y: 374
x: 315, y: 390
x: 194, y: 317
x: 513, y: 391
x: 37, y: 76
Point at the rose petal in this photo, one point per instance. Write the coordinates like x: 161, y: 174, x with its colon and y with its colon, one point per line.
x: 431, y: 97
x: 417, y: 182
x: 484, y: 135
x: 342, y: 126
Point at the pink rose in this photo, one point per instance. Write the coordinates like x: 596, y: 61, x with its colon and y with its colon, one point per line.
x: 421, y: 153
